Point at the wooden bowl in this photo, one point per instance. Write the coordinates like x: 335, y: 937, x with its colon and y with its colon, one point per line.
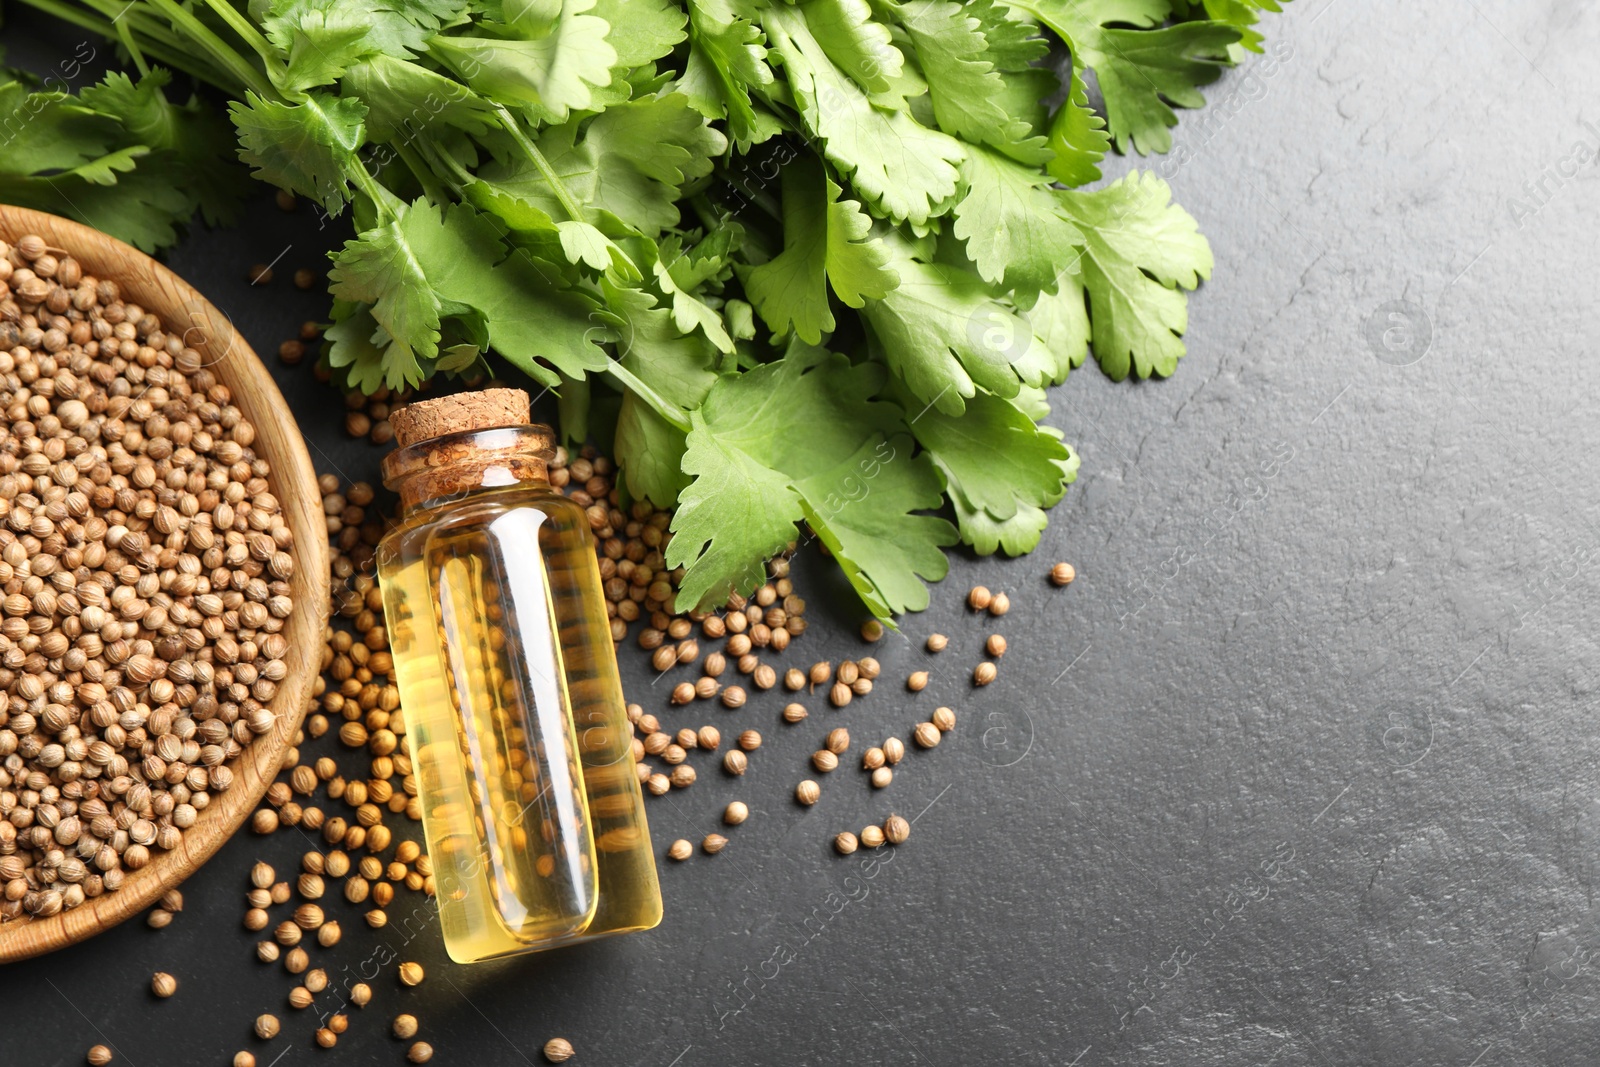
x: 293, y: 481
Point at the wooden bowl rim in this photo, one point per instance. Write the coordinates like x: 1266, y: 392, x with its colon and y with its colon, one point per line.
x: 278, y: 439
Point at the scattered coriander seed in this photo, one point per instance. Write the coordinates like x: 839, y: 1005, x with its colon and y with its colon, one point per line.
x: 838, y: 740
x: 339, y: 1023
x: 999, y: 605
x: 733, y: 697
x: 840, y: 694
x: 937, y: 642
x: 558, y: 1050
x: 267, y: 1027
x: 659, y: 784
x: 764, y: 677
x: 845, y: 843
x: 713, y: 844
x: 824, y: 761
x: 882, y: 777
x: 848, y: 672
x: 300, y: 998
x: 1062, y: 574
x: 995, y: 646
x: 308, y: 916
x: 295, y: 961
x: 159, y: 918
x: 708, y: 738
x: 405, y: 1027
x: 262, y: 876
x: 377, y: 918
x: 172, y: 900
x: 682, y: 693
x: 871, y: 630
x: 794, y: 679
x: 984, y: 673
x: 361, y: 994
x: 735, y: 813
x: 267, y: 951
x: 326, y: 1038
x: 683, y: 776
x: 944, y: 719
x: 328, y: 935
x: 894, y: 750
x: 750, y: 740
x: 264, y: 821
x: 807, y: 792
x: 896, y: 829
x: 871, y: 837
x: 872, y: 758
x: 926, y: 735
x: 821, y: 671
x: 869, y: 667
x: 163, y: 984
x: 680, y: 850
x: 317, y: 980
x: 99, y: 1055
x: 421, y: 1052
x: 918, y: 681
x: 978, y: 598
x: 794, y: 713
x: 735, y: 762
x: 259, y: 274
x: 243, y: 1058
x: 411, y: 974
x: 310, y: 886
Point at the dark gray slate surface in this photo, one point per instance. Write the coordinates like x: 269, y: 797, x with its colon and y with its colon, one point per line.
x: 1301, y: 771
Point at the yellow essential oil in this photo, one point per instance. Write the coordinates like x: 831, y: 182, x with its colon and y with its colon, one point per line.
x: 520, y: 740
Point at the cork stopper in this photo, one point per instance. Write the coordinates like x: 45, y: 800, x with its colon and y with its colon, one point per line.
x: 486, y: 409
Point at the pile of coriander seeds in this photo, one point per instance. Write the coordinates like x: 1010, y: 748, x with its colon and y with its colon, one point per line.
x: 144, y: 584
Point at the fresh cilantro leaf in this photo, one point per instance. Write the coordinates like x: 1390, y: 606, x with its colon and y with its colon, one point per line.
x: 945, y: 333
x: 404, y: 99
x: 966, y: 87
x: 1000, y: 468
x: 385, y: 268
x: 1241, y: 14
x: 899, y: 166
x: 1140, y: 71
x: 1014, y: 231
x: 650, y: 451
x: 1141, y: 252
x: 727, y: 59
x: 1060, y: 321
x: 825, y: 240
x: 642, y: 31
x: 797, y: 439
x: 358, y: 346
x: 861, y: 48
x: 306, y: 148
x: 1078, y: 138
x: 630, y: 164
x: 550, y: 70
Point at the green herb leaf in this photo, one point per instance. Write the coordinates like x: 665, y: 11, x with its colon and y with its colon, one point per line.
x: 547, y: 68
x: 306, y: 148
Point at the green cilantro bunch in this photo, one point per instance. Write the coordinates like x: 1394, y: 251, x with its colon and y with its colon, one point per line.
x: 809, y: 262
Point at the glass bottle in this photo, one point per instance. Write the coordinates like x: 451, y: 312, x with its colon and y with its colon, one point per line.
x: 519, y: 736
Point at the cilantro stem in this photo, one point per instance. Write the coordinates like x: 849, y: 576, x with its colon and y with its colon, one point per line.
x: 422, y: 172
x: 535, y: 156
x: 201, y: 34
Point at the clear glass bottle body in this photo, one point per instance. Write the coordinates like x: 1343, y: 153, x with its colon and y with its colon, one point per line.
x: 519, y: 736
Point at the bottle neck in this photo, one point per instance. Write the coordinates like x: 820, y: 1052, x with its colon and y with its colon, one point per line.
x: 445, y: 468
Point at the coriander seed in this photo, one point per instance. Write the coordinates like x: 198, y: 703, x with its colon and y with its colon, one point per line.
x: 163, y: 984
x: 99, y: 1055
x: 882, y: 777
x: 680, y: 850
x: 267, y: 951
x: 328, y: 935
x: 937, y: 642
x: 709, y: 737
x: 794, y: 713
x: 296, y: 960
x: 983, y: 673
x: 159, y: 918
x: 316, y: 980
x: 944, y: 719
x: 995, y: 646
x: 750, y: 740
x: 735, y: 813
x: 794, y: 679
x: 361, y: 994
x: 421, y: 1052
x: 840, y: 694
x: 405, y: 1027
x: 267, y: 1027
x: 244, y: 1058
x: 733, y: 697
x: 838, y: 740
x: 918, y: 681
x: 871, y: 630
x: 558, y: 1050
x: 845, y: 843
x: 894, y: 750
x: 411, y: 974
x: 926, y: 735
x: 872, y: 759
x: 326, y: 1037
x: 713, y: 844
x: 869, y: 668
x: 1062, y: 574
x: 683, y: 776
x: 821, y: 671
x: 871, y: 837
x: 339, y: 1023
x: 824, y: 761
x: 735, y: 762
x: 999, y: 605
x: 807, y: 792
x: 262, y: 876
x: 979, y: 598
x: 896, y: 829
